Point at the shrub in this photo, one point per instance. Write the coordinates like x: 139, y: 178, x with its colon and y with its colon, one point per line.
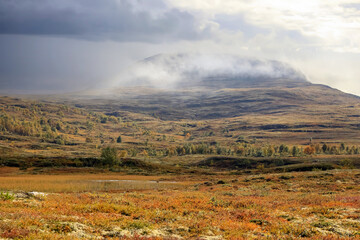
x: 286, y: 177
x: 15, y: 233
x: 138, y: 225
x: 295, y: 151
x: 309, y: 150
x: 123, y: 154
x: 259, y: 222
x: 279, y: 162
x: 62, y: 228
x: 61, y: 140
x: 109, y: 156
x: 347, y: 163
x: 6, y: 196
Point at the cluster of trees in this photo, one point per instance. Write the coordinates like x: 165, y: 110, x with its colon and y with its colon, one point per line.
x: 102, y: 118
x: 201, y: 148
x: 245, y: 150
x: 110, y: 156
x: 38, y: 120
x: 56, y: 123
x: 331, y: 149
x: 285, y: 150
x: 20, y: 127
x: 44, y: 128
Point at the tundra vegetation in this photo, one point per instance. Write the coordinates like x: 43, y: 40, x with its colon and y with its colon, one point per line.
x: 73, y: 173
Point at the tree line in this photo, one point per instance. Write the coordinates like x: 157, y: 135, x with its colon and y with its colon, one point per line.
x: 243, y: 150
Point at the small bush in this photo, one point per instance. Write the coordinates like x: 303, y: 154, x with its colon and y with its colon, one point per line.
x: 259, y: 222
x: 138, y: 225
x: 6, y: 196
x: 221, y: 182
x: 321, y: 224
x: 285, y: 177
x: 15, y: 233
x: 347, y: 163
x: 62, y: 228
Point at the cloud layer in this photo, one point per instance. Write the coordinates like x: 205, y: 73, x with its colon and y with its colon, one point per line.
x: 119, y: 20
x: 184, y: 70
x: 333, y: 24
x: 78, y: 44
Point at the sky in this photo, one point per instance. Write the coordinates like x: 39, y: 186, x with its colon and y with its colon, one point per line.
x: 72, y: 45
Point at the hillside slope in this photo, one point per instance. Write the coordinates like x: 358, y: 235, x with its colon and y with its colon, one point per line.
x: 199, y: 87
x: 291, y: 111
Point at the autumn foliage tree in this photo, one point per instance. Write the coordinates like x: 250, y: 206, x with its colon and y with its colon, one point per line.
x: 309, y: 150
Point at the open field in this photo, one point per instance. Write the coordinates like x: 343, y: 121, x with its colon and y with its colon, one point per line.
x: 97, y: 171
x: 310, y: 205
x: 84, y: 182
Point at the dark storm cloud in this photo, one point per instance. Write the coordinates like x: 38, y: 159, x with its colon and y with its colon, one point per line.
x: 39, y: 63
x: 120, y: 20
x: 44, y: 44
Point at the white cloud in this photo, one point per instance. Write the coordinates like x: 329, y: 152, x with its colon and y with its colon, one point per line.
x: 336, y: 23
x: 322, y: 38
x: 174, y: 70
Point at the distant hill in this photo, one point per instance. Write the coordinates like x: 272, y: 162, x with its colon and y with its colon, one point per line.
x: 225, y: 101
x: 200, y: 87
x: 210, y: 71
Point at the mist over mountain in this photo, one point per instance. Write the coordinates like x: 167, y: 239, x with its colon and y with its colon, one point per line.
x: 210, y: 71
x: 211, y: 86
x: 199, y: 86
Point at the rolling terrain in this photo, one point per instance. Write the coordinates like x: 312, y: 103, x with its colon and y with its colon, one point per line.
x: 253, y: 108
x: 252, y: 150
x: 266, y: 100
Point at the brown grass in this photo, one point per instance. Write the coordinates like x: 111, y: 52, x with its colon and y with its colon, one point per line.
x: 313, y: 205
x: 84, y: 183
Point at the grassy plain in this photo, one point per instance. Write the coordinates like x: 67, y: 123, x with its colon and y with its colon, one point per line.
x: 307, y: 205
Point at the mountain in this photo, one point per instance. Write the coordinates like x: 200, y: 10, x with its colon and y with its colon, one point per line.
x: 210, y: 71
x: 218, y: 98
x: 199, y: 87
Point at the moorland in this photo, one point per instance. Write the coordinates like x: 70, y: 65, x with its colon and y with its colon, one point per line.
x: 274, y: 161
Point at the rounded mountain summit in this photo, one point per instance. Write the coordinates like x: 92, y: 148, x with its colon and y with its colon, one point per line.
x: 210, y: 71
x: 208, y: 86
